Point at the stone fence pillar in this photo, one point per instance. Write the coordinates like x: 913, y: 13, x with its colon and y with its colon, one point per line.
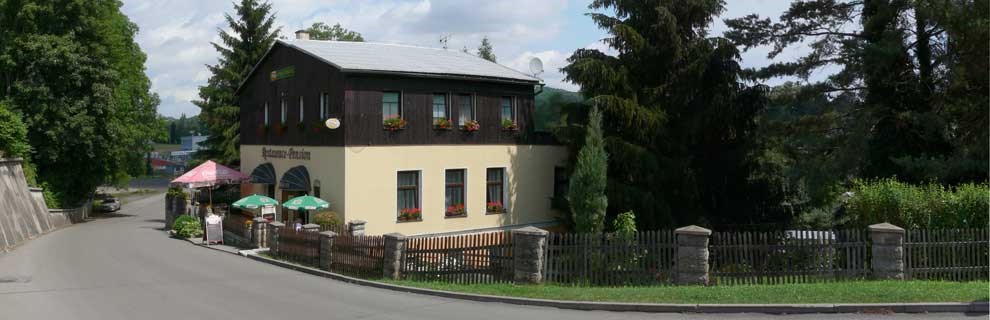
x: 888, y: 251
x: 273, y: 229
x: 259, y: 233
x: 691, y: 265
x: 311, y: 227
x: 395, y: 249
x: 356, y: 227
x: 528, y: 250
x: 326, y: 249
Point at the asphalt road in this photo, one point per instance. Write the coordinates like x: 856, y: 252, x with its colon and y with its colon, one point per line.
x: 125, y: 267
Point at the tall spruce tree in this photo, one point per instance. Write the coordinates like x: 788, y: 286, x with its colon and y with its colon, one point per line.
x: 486, y: 51
x: 677, y: 118
x: 586, y: 192
x: 253, y: 34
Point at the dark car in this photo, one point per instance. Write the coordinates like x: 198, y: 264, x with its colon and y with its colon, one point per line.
x: 110, y: 204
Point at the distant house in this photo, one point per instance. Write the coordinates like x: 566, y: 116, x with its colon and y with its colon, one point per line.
x: 429, y: 140
x: 192, y: 143
x: 165, y: 166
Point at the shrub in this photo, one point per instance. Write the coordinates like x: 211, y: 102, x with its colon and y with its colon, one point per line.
x: 586, y: 193
x: 326, y: 219
x: 625, y: 225
x: 918, y: 206
x: 187, y: 226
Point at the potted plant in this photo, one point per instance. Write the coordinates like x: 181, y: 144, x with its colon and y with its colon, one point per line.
x: 495, y: 207
x: 455, y: 210
x: 394, y: 124
x: 410, y: 214
x: 262, y: 129
x: 280, y: 128
x: 317, y: 126
x: 509, y: 125
x: 301, y: 126
x: 442, y: 124
x: 471, y: 126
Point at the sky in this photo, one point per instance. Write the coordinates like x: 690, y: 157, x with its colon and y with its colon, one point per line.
x: 176, y: 35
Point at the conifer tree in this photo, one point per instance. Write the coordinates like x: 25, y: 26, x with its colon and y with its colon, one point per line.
x: 253, y: 34
x: 586, y: 192
x: 486, y: 51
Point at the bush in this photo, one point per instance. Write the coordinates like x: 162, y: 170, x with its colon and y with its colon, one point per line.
x: 187, y: 226
x: 914, y: 206
x: 326, y: 219
x: 625, y: 225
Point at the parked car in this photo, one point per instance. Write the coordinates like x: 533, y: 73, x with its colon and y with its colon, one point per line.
x: 110, y: 204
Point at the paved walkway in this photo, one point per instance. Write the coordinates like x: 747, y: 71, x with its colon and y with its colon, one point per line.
x: 125, y: 267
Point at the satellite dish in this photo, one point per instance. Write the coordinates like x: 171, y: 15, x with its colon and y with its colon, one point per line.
x: 333, y: 123
x: 536, y: 66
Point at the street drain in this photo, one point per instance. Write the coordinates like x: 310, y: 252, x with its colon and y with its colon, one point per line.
x: 15, y: 279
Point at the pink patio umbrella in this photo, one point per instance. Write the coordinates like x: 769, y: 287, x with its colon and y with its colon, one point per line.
x: 209, y: 174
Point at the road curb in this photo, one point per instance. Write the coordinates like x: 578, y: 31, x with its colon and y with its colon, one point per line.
x: 953, y: 307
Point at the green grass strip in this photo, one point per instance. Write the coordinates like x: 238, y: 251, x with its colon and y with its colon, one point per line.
x: 834, y: 292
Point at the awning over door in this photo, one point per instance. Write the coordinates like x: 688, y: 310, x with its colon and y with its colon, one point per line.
x: 295, y: 179
x: 263, y: 173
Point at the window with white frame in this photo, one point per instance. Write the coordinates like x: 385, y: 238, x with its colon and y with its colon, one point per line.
x: 301, y: 109
x: 407, y: 200
x: 465, y: 109
x: 324, y: 99
x: 454, y: 180
x: 266, y: 113
x: 495, y: 191
x: 285, y: 111
x: 439, y: 106
x: 508, y: 109
x: 391, y: 106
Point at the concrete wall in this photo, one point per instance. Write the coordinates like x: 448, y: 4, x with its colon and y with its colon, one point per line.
x: 23, y: 213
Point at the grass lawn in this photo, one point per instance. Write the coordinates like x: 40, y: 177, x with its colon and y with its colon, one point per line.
x: 837, y: 292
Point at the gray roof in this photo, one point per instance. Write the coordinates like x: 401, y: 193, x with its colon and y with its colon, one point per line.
x: 395, y: 58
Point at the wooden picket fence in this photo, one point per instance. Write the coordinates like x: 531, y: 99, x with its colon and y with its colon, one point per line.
x: 947, y: 254
x: 359, y: 256
x: 606, y: 259
x: 470, y: 258
x: 301, y: 247
x: 788, y: 256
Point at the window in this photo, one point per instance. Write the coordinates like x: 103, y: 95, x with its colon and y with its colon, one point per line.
x: 266, y: 114
x: 561, y: 182
x: 301, y: 112
x: 439, y: 106
x: 465, y: 107
x: 508, y: 112
x: 324, y: 99
x: 316, y: 188
x: 495, y: 193
x: 408, y: 195
x: 284, y: 111
x: 454, y: 194
x: 270, y: 190
x: 390, y: 105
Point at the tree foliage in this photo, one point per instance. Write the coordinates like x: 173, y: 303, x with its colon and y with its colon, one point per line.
x: 73, y: 72
x: 678, y: 120
x: 253, y: 33
x: 908, y: 99
x: 486, y: 51
x: 322, y: 31
x: 586, y: 192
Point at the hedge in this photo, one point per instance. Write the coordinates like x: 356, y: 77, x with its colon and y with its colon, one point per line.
x: 918, y: 206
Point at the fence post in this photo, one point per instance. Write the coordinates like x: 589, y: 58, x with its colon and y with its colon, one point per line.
x: 395, y: 248
x: 273, y: 228
x: 311, y: 227
x: 326, y: 249
x: 356, y: 227
x: 888, y: 251
x: 259, y: 233
x: 692, y: 255
x: 528, y: 249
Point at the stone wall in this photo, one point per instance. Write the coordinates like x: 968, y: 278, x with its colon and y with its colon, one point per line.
x: 23, y: 213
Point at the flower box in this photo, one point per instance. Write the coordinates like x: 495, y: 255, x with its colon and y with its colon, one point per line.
x: 495, y: 207
x: 471, y: 126
x: 442, y: 124
x: 509, y: 125
x: 410, y: 214
x: 394, y: 124
x: 455, y: 211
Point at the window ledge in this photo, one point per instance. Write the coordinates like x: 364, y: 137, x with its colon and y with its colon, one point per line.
x: 455, y: 216
x: 407, y: 221
x: 496, y: 212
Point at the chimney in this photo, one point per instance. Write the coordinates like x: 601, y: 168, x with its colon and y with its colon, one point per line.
x: 302, y: 35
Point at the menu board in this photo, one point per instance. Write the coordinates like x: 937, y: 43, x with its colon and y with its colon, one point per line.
x: 214, y: 229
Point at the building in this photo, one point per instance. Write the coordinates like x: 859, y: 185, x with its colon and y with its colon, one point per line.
x: 487, y: 158
x: 192, y: 143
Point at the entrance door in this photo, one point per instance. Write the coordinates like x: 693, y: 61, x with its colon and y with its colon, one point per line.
x: 289, y: 216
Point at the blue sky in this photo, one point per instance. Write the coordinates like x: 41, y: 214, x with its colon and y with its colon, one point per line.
x: 176, y: 34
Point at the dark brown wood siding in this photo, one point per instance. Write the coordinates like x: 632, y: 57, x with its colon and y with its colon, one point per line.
x: 363, y: 111
x: 312, y: 77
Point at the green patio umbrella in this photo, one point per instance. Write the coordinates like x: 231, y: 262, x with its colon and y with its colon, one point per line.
x: 306, y: 203
x: 254, y: 201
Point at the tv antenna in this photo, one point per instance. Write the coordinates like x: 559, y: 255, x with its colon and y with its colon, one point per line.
x: 444, y: 39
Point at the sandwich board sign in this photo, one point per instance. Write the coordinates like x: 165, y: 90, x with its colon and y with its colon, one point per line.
x: 214, y: 229
x: 268, y: 212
